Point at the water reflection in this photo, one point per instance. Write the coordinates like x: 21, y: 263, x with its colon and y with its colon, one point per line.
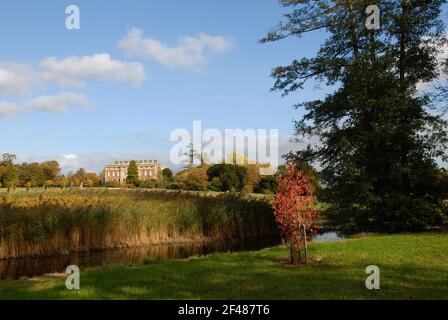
x: 327, y: 237
x: 29, y: 267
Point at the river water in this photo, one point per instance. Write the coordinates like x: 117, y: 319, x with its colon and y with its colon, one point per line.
x: 29, y: 267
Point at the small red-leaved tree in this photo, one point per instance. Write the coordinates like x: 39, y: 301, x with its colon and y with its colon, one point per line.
x: 294, y: 212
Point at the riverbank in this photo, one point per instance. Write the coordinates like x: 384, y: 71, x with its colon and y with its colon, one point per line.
x: 57, y: 222
x: 412, y: 266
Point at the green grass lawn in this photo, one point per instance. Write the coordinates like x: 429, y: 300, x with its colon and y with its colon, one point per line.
x: 412, y: 267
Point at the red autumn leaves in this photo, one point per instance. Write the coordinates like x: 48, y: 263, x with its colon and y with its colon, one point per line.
x: 294, y: 208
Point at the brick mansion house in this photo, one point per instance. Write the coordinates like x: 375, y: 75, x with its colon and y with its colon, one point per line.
x: 118, y: 172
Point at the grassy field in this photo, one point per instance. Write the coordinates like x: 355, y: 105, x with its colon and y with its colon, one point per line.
x: 412, y: 267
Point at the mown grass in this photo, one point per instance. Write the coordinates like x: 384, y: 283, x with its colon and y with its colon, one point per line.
x: 413, y: 266
x: 38, y: 223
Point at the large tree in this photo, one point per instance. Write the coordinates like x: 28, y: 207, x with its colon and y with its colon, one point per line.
x: 193, y: 178
x: 51, y: 170
x: 167, y: 173
x: 378, y: 139
x: 227, y: 177
x: 9, y: 176
x: 31, y: 174
x: 132, y: 177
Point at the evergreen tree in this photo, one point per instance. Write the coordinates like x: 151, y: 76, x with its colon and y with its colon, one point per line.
x: 132, y: 177
x: 378, y: 138
x: 192, y: 156
x: 167, y: 173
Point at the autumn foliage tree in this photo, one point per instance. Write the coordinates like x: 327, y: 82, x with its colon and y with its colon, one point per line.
x: 294, y: 211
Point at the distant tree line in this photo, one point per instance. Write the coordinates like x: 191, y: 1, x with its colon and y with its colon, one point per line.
x: 45, y: 174
x: 244, y: 178
x: 223, y: 177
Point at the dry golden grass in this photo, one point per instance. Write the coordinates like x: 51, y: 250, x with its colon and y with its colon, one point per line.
x: 38, y: 223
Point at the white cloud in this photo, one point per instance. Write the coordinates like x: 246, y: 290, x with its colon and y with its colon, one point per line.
x: 69, y: 162
x: 16, y: 79
x: 57, y: 103
x: 70, y: 156
x: 190, y: 53
x: 75, y: 71
x: 8, y: 109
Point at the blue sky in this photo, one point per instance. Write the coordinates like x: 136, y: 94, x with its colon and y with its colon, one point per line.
x: 106, y: 108
x: 119, y: 119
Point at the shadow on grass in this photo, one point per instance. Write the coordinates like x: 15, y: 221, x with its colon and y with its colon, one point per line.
x: 242, y: 276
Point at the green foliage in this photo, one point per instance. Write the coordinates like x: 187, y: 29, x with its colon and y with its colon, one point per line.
x: 132, y: 178
x: 193, y: 179
x: 175, y: 186
x: 45, y: 174
x: 378, y: 136
x: 50, y: 170
x: 219, y: 177
x: 9, y: 176
x: 8, y: 157
x: 113, y: 184
x: 39, y: 173
x: 167, y: 173
x: 230, y: 181
x: 215, y: 184
x: 231, y: 176
x: 31, y: 173
x: 252, y: 178
x: 149, y: 184
x: 266, y: 185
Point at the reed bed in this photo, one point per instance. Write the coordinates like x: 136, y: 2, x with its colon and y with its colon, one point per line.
x: 47, y: 223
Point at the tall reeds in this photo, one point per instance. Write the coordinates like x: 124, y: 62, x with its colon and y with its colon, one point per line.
x: 49, y: 223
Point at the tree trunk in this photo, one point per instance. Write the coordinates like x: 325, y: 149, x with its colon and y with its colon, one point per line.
x: 403, y: 42
x: 306, y: 244
x: 354, y: 36
x: 292, y: 253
